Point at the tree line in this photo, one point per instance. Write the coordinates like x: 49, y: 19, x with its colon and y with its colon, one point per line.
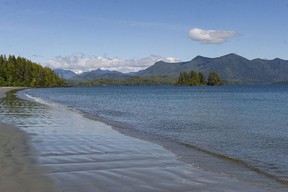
x: 194, y: 78
x: 18, y: 71
x: 130, y: 81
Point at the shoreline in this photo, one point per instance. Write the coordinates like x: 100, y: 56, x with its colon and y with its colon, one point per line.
x: 19, y: 173
x: 201, y: 158
x: 88, y: 155
x: 4, y: 90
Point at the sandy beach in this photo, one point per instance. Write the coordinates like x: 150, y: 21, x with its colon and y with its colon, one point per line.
x: 18, y: 173
x: 57, y: 149
x: 3, y: 91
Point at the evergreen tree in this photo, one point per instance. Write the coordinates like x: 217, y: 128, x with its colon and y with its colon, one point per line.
x: 214, y: 79
x: 22, y: 72
x: 195, y: 79
x: 184, y: 79
x: 202, y: 79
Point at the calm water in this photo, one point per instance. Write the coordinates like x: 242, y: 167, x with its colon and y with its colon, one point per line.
x: 245, y: 123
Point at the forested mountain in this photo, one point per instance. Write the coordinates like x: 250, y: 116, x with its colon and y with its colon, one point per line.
x: 105, y: 77
x: 65, y: 74
x: 232, y: 68
x: 18, y: 71
x: 100, y: 74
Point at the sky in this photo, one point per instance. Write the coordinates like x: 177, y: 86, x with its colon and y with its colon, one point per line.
x: 130, y: 35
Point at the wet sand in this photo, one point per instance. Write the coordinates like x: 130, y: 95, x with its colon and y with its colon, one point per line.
x: 80, y: 154
x: 17, y: 171
x: 3, y: 91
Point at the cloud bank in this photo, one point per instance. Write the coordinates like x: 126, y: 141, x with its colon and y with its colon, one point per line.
x: 81, y: 63
x: 210, y: 36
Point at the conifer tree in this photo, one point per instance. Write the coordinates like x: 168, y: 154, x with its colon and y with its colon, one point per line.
x: 22, y: 72
x: 214, y: 79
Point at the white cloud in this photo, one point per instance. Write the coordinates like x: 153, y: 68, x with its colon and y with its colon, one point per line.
x: 210, y: 36
x: 81, y: 63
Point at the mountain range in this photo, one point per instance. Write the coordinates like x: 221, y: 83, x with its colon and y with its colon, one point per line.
x: 232, y: 69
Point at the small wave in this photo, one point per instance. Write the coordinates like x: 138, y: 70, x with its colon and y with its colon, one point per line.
x: 236, y: 161
x: 118, y: 125
x: 52, y: 104
x: 42, y: 101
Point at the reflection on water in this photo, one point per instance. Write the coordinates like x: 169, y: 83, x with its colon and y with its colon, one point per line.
x: 23, y: 113
x: 244, y: 123
x: 84, y: 155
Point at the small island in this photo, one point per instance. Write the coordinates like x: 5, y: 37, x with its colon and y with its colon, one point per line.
x: 198, y: 79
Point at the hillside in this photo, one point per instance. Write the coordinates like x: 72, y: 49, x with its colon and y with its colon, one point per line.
x: 100, y: 74
x: 18, y: 71
x: 232, y: 68
x: 65, y: 74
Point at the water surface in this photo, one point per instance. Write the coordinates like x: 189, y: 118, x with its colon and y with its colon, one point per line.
x: 81, y: 154
x: 245, y: 123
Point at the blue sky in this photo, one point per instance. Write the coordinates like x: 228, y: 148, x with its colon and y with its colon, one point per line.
x: 129, y: 35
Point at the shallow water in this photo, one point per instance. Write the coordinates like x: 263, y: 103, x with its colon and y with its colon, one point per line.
x: 80, y: 154
x: 245, y: 123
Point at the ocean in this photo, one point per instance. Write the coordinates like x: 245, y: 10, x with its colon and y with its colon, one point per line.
x: 245, y: 124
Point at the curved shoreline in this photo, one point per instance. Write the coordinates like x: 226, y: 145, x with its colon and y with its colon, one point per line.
x: 18, y: 172
x: 202, y: 158
x: 84, y: 154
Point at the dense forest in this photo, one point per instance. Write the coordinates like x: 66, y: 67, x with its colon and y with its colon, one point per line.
x: 18, y: 71
x: 197, y: 78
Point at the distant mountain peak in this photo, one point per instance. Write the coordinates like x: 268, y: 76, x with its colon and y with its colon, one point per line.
x: 100, y: 74
x: 64, y: 73
x: 200, y: 58
x: 233, y: 56
x: 232, y: 68
x: 100, y: 71
x: 278, y: 59
x: 160, y: 62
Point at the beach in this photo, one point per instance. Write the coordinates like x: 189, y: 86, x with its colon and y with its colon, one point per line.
x: 17, y: 171
x: 3, y: 91
x: 56, y: 149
